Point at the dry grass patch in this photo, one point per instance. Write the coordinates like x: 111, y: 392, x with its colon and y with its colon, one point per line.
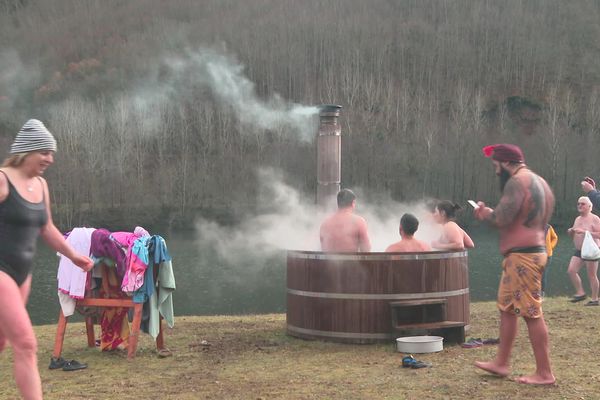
x: 250, y: 357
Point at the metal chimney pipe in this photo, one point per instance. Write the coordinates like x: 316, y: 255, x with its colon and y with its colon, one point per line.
x: 329, y: 161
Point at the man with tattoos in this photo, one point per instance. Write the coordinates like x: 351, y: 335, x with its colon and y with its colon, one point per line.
x: 521, y: 216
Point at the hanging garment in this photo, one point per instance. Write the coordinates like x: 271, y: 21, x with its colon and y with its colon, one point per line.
x: 114, y: 324
x: 104, y: 246
x: 163, y: 301
x: 71, y: 278
x: 137, y: 263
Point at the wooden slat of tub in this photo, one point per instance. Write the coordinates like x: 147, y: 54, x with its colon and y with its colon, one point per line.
x: 375, y: 276
x: 334, y: 315
x: 356, y: 315
x: 316, y: 315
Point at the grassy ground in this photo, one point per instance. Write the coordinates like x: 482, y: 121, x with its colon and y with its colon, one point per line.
x: 250, y: 357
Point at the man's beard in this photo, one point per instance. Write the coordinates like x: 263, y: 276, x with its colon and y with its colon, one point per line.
x: 504, y: 177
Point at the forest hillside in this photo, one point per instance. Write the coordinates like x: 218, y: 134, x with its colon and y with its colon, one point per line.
x: 165, y: 110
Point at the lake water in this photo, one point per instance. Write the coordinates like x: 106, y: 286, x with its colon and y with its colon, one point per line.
x: 208, y: 286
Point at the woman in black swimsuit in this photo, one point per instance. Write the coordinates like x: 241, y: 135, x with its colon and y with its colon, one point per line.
x: 25, y: 215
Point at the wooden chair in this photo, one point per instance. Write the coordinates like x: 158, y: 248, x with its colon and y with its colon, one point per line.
x: 107, y: 303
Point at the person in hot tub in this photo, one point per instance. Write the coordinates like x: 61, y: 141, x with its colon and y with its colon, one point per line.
x: 408, y: 226
x: 345, y: 231
x: 453, y: 237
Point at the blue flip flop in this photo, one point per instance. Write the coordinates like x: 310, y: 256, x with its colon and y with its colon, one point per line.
x: 408, y: 361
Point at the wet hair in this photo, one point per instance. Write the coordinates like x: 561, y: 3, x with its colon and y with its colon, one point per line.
x: 409, y: 224
x: 449, y: 208
x: 345, y: 197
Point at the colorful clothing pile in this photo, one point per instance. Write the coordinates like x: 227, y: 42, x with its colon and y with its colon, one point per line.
x: 131, y: 259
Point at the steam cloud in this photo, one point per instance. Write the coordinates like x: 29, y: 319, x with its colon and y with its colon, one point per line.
x: 290, y: 221
x: 204, y: 70
x: 15, y: 78
x: 226, y: 80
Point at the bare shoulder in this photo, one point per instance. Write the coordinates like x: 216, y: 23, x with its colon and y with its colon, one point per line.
x: 517, y: 183
x: 424, y: 246
x: 325, y: 223
x: 44, y: 182
x: 543, y: 180
x: 392, y: 247
x: 3, y: 185
x: 544, y: 183
x: 452, y: 226
x: 361, y: 220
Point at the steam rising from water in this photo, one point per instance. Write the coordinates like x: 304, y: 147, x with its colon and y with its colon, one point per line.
x: 289, y: 221
x: 15, y: 77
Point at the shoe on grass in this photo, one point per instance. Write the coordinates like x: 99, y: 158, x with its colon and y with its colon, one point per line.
x: 472, y: 343
x: 577, y: 299
x: 56, y: 363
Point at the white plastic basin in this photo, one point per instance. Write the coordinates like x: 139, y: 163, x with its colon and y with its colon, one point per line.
x: 420, y: 344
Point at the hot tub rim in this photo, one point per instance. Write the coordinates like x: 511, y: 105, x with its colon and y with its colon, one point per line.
x: 376, y: 256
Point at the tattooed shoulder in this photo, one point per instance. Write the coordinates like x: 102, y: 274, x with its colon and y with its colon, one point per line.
x: 510, y: 203
x: 537, y: 206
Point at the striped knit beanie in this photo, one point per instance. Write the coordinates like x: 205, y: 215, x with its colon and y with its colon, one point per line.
x: 33, y: 136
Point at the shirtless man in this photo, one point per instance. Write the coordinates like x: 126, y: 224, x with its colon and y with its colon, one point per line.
x: 345, y: 231
x: 408, y: 226
x: 586, y: 221
x: 521, y: 216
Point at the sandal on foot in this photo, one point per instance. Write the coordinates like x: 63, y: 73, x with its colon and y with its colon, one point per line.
x: 592, y: 303
x: 164, y: 353
x: 577, y: 299
x: 73, y: 365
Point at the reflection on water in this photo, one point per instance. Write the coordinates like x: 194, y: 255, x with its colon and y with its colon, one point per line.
x: 209, y: 286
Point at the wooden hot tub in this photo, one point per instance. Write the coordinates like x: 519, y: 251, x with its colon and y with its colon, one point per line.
x: 345, y: 297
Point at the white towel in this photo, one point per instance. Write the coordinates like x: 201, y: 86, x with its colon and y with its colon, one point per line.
x: 71, y: 278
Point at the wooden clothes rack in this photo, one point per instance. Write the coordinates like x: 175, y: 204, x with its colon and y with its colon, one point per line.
x: 90, y: 301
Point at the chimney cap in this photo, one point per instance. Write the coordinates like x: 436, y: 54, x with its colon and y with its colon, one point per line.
x: 329, y: 108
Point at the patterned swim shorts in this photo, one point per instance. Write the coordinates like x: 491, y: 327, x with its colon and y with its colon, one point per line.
x: 521, y: 284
